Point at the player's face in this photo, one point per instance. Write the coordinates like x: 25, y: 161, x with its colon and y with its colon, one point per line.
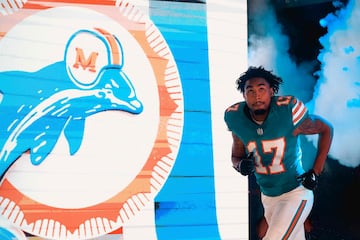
x: 258, y: 95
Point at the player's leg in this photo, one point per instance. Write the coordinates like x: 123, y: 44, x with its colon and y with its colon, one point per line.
x: 262, y: 226
x: 287, y: 213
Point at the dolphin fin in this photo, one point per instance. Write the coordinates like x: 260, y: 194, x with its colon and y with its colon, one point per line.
x: 74, y: 133
x: 41, y: 148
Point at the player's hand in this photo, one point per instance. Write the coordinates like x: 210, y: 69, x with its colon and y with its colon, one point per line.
x: 246, y: 166
x: 309, y: 179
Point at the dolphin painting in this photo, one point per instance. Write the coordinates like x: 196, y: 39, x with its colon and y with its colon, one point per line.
x: 37, y: 107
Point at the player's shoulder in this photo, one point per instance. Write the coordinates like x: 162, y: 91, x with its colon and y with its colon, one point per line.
x: 293, y: 106
x: 287, y: 101
x: 233, y: 108
x: 234, y: 111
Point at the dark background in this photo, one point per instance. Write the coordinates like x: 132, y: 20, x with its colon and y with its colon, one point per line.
x: 336, y: 211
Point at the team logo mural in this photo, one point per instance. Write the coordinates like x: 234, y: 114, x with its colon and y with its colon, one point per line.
x: 92, y: 112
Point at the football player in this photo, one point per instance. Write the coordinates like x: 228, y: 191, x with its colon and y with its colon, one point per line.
x: 266, y: 133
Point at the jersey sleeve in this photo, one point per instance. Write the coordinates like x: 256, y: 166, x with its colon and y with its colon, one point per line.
x: 299, y: 111
x: 234, y: 118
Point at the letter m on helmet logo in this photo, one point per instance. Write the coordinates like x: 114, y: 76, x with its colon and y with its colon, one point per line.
x: 88, y: 63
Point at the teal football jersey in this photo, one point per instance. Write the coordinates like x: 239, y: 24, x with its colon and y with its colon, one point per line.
x: 277, y: 151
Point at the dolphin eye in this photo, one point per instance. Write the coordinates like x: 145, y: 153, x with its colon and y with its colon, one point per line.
x: 114, y: 83
x: 118, y: 83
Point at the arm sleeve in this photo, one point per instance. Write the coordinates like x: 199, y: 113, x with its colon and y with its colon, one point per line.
x: 299, y: 111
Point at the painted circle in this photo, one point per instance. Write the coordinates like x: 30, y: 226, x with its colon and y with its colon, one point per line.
x: 99, y: 176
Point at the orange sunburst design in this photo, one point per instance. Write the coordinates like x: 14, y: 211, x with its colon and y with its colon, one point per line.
x: 111, y: 214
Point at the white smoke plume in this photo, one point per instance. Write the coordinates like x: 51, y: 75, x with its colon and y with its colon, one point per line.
x: 335, y: 95
x: 268, y: 47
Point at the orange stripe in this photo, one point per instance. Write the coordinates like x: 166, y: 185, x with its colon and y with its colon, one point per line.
x: 295, y: 220
x: 95, y: 2
x: 300, y: 116
x: 298, y: 106
x: 115, y: 51
x: 117, y: 231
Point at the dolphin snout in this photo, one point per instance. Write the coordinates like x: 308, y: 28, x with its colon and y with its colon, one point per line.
x: 138, y: 106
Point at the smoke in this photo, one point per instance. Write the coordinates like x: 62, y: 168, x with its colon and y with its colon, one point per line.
x: 337, y: 94
x: 333, y: 92
x: 269, y: 47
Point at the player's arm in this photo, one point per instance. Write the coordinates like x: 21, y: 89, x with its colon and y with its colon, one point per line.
x: 242, y: 163
x: 315, y: 125
x: 237, y: 151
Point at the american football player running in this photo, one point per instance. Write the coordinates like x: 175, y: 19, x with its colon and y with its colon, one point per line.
x: 266, y: 133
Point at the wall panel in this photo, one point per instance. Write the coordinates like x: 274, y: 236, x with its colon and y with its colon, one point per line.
x: 112, y: 119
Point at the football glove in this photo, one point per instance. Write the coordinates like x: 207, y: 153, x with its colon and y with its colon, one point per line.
x: 309, y: 179
x: 246, y: 166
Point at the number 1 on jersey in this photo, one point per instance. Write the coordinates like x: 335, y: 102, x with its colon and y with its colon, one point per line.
x: 276, y: 147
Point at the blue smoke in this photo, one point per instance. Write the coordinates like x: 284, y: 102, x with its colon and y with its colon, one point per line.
x: 335, y: 95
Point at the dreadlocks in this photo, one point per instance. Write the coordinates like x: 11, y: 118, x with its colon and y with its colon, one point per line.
x: 258, y: 72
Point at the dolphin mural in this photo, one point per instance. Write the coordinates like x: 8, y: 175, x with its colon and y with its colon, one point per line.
x: 37, y: 107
